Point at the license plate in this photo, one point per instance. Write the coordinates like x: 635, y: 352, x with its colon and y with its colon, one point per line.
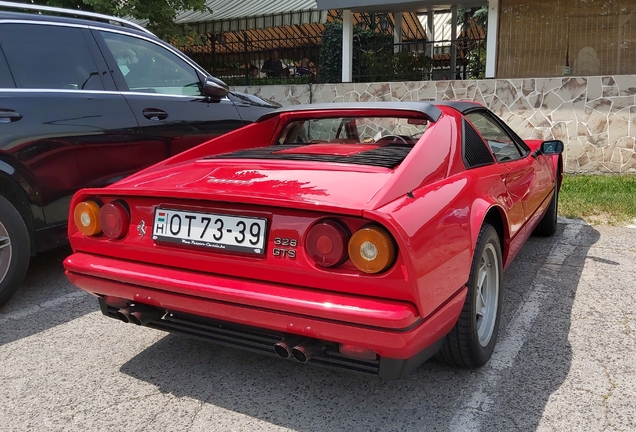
x: 209, y: 230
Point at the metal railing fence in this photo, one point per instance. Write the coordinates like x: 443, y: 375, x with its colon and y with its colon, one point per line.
x: 239, y: 60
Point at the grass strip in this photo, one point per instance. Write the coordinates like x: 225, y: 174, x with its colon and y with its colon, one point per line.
x: 599, y: 199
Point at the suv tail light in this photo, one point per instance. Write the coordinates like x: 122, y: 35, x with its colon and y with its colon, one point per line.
x: 326, y: 243
x: 371, y: 249
x: 86, y: 218
x: 114, y: 220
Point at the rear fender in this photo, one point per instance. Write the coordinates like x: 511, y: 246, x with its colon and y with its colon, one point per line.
x: 15, y: 188
x: 484, y: 211
x: 20, y: 177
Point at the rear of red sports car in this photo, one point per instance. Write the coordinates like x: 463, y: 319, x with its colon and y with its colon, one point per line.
x: 321, y: 236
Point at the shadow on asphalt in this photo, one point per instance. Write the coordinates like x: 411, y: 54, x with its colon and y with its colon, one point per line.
x: 545, y: 359
x: 306, y: 398
x: 45, y: 300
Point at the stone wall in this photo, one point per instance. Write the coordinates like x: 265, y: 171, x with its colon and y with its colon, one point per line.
x: 594, y: 116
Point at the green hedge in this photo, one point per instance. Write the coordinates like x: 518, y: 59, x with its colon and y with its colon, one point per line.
x: 241, y: 80
x: 374, y: 58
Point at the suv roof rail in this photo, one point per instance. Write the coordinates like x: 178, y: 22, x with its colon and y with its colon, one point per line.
x: 78, y: 13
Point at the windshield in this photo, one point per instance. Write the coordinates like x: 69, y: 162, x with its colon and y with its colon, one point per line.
x: 357, y: 130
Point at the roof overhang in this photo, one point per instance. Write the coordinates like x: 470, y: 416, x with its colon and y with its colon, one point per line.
x: 398, y: 6
x: 259, y: 22
x: 220, y: 16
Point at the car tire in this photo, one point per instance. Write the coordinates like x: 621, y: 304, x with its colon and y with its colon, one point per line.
x: 14, y: 250
x: 548, y: 224
x: 472, y: 340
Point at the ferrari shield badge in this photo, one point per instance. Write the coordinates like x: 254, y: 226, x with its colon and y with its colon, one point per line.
x: 141, y: 228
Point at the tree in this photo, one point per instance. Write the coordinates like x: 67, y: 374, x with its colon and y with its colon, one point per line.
x: 159, y: 13
x: 474, y: 47
x: 372, y: 54
x: 478, y: 15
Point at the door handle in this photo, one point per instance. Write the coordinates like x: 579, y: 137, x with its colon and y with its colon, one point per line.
x: 9, y: 116
x: 155, y: 114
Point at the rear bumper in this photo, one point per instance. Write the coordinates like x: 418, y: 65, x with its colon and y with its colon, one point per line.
x: 204, y: 303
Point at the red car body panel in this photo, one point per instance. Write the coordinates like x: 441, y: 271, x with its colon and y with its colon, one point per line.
x: 349, y: 320
x: 432, y: 206
x: 301, y: 185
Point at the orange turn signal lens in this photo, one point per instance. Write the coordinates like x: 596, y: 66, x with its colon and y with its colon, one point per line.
x: 371, y: 249
x: 86, y: 217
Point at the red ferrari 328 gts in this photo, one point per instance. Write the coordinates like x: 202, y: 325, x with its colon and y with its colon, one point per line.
x: 360, y: 236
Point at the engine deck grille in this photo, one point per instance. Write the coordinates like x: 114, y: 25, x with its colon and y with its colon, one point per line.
x: 388, y: 156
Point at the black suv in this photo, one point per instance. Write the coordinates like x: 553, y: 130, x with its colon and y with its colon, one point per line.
x: 85, y: 102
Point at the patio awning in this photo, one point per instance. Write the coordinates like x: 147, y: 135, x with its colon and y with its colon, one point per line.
x: 232, y: 34
x: 239, y: 15
x: 397, y: 6
x: 269, y: 24
x: 298, y: 18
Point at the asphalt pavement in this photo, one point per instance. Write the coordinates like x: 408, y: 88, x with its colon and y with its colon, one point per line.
x: 565, y: 361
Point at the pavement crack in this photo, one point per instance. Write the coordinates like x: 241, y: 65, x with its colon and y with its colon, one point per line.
x: 195, y: 415
x: 169, y: 398
x: 595, y: 310
x: 129, y: 399
x: 606, y: 396
x: 626, y: 324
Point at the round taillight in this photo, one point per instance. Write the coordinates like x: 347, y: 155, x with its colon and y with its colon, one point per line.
x: 326, y: 243
x: 114, y: 219
x: 371, y: 249
x: 86, y: 218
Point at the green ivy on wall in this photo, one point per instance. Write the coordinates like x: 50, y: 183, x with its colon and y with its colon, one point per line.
x: 330, y: 55
x: 258, y: 81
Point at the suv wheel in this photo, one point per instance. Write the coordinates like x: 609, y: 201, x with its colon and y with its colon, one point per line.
x: 14, y: 250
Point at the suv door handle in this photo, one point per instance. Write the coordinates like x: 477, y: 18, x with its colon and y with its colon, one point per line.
x: 155, y: 114
x: 9, y: 116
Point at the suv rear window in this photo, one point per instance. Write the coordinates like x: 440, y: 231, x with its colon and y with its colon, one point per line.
x: 49, y: 57
x: 6, y: 81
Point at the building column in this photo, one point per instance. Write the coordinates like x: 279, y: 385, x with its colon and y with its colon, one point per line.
x: 453, y: 47
x: 491, y: 38
x: 397, y: 31
x: 347, y: 46
x: 430, y: 33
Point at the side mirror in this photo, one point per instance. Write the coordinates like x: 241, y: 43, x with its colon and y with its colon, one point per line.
x: 215, y: 88
x: 552, y: 147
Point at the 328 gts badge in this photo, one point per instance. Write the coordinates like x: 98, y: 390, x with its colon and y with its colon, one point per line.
x: 284, y: 247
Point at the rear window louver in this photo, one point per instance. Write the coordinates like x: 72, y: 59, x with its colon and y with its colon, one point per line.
x: 475, y: 151
x: 389, y: 156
